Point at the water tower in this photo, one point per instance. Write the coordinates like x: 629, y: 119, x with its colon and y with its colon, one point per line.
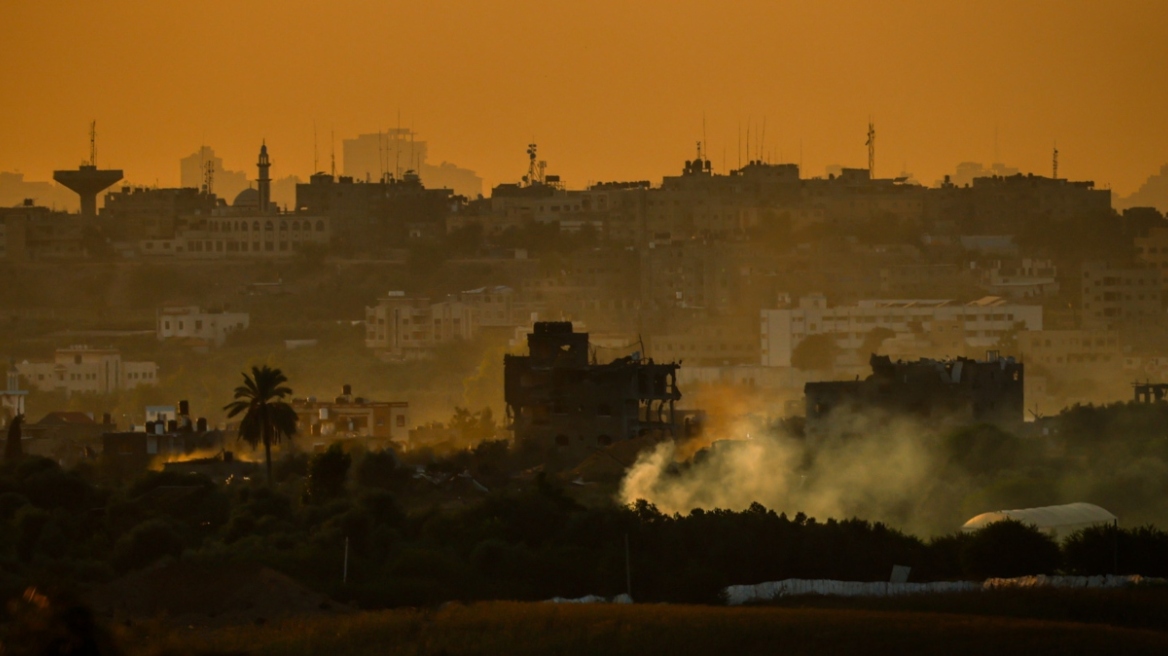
x: 88, y: 181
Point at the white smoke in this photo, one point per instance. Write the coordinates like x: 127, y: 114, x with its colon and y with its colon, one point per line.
x: 874, y: 468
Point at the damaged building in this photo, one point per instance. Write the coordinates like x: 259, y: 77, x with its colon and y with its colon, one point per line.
x: 128, y: 453
x: 959, y: 391
x: 559, y: 397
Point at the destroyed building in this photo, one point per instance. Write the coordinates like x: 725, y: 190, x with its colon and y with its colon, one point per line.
x: 558, y: 397
x: 128, y: 453
x: 959, y: 391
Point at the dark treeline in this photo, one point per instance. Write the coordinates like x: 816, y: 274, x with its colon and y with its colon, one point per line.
x: 69, y: 529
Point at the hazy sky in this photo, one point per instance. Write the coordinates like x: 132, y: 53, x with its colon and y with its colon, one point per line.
x: 609, y: 90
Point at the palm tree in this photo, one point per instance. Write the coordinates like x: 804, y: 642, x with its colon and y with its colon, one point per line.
x: 267, y: 417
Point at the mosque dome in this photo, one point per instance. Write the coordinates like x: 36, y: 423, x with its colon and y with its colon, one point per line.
x: 248, y: 198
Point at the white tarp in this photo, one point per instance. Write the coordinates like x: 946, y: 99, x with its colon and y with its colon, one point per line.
x: 1062, y: 519
x: 621, y: 598
x: 745, y: 594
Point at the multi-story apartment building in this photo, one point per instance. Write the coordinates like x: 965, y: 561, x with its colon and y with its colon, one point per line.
x: 348, y: 416
x: 712, y: 342
x: 87, y: 370
x: 983, y: 322
x: 1152, y: 250
x: 404, y: 327
x: 1066, y: 349
x: 189, y: 322
x: 1120, y: 297
x: 242, y: 237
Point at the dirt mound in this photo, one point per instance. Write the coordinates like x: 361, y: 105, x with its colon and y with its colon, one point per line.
x: 209, y: 594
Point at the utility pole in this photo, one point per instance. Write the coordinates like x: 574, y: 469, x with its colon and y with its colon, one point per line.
x: 871, y: 150
x: 1054, y: 164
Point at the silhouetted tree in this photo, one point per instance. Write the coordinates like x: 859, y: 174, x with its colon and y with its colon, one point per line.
x: 1009, y: 548
x: 267, y: 418
x: 327, y: 473
x: 12, y: 448
x: 815, y: 352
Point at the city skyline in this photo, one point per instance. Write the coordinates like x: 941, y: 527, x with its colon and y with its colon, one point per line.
x: 605, y: 98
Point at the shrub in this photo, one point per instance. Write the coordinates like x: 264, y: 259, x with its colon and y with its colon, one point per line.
x: 1009, y: 548
x: 147, y: 543
x: 327, y: 473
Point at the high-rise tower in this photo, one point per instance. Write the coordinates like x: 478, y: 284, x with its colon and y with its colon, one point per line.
x: 264, y: 183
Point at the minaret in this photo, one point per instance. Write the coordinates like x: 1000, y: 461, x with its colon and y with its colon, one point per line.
x: 264, y: 183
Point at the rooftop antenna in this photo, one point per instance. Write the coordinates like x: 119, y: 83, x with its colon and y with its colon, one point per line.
x: 93, y: 143
x: 397, y: 148
x: 762, y: 139
x: 532, y: 166
x: 315, y: 151
x: 1054, y: 164
x: 871, y: 143
x: 333, y: 146
x: 740, y: 143
x: 209, y: 177
x: 747, y: 139
x: 704, y: 143
x: 381, y: 156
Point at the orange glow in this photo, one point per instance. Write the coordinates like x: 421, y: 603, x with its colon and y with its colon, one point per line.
x: 609, y: 90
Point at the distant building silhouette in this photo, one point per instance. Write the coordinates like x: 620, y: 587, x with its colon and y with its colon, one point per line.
x: 1153, y: 193
x: 14, y: 189
x: 380, y: 156
x: 192, y: 172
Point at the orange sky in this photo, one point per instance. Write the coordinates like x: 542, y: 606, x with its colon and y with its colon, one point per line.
x: 609, y: 90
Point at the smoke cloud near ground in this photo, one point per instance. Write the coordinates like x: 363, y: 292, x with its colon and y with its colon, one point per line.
x: 877, y: 469
x: 924, y: 477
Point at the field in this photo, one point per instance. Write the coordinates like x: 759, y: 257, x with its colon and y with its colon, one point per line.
x: 566, y: 629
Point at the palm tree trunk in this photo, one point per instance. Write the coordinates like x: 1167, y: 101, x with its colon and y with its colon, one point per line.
x: 268, y: 457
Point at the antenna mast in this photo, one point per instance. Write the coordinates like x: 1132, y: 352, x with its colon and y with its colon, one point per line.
x: 534, y: 169
x: 209, y: 177
x: 871, y: 150
x: 333, y: 156
x: 1054, y: 164
x: 93, y: 143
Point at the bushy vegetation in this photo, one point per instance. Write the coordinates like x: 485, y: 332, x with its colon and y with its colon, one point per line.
x: 525, y: 541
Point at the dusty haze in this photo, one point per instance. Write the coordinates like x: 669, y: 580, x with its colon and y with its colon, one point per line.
x: 609, y: 90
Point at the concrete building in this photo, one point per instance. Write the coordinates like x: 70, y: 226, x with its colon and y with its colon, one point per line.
x: 1025, y: 278
x: 82, y: 369
x: 1067, y: 351
x: 12, y: 397
x: 353, y: 417
x: 1152, y: 251
x: 372, y: 216
x: 960, y: 391
x: 189, y: 322
x: 128, y: 453
x: 1120, y: 297
x: 498, y: 307
x: 719, y: 341
x: 31, y: 233
x: 275, y: 236
x: 558, y: 399
x: 402, y: 327
x: 982, y: 322
x: 142, y: 213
